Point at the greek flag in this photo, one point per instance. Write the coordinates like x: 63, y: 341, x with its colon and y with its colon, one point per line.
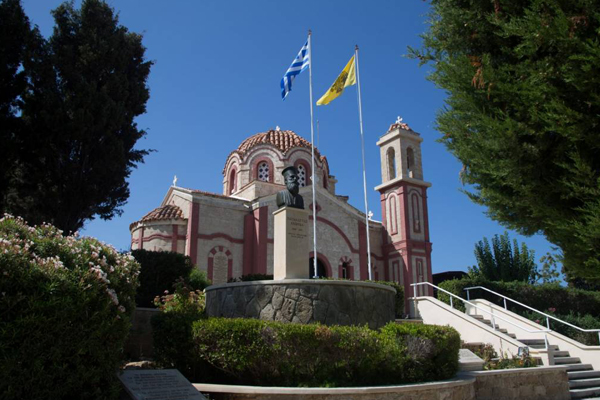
x: 299, y: 64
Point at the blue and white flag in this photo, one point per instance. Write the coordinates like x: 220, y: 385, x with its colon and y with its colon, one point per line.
x: 299, y: 64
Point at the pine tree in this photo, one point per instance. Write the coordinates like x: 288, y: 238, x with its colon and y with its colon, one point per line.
x: 86, y: 84
x: 523, y: 114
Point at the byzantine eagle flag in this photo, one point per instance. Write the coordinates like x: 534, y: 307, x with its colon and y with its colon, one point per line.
x: 300, y: 63
x: 346, y: 78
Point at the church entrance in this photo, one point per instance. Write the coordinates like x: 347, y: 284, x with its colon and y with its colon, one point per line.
x: 321, y: 270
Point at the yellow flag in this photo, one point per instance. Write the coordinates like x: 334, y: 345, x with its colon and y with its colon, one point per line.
x: 346, y: 78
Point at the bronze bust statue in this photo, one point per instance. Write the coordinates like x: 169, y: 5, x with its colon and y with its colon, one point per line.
x: 290, y: 197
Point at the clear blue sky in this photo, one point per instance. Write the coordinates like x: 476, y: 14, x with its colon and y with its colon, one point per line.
x: 215, y: 82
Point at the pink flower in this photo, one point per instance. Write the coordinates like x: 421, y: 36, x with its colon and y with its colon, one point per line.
x: 552, y: 309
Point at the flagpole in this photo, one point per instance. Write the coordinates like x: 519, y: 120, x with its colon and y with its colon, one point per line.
x: 362, y: 141
x: 312, y: 147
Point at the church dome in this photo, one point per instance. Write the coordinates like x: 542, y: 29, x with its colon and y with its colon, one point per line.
x: 261, y: 158
x: 282, y: 140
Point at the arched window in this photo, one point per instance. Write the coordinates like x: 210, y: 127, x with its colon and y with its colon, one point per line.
x: 391, y: 159
x: 263, y: 171
x: 324, y: 180
x: 321, y: 269
x: 345, y: 271
x: 302, y: 178
x: 232, y: 181
x: 410, y: 161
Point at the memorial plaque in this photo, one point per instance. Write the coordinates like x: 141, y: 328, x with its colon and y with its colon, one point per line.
x: 291, y: 252
x: 220, y: 264
x: 158, y: 384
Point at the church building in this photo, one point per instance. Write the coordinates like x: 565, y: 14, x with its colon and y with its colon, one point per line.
x: 231, y: 234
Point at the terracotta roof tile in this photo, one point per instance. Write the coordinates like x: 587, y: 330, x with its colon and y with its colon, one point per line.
x: 169, y: 211
x: 283, y: 140
x: 401, y: 125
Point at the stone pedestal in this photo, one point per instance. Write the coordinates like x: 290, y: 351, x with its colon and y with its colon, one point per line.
x: 291, y: 252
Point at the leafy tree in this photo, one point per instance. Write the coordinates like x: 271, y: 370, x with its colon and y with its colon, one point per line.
x: 523, y: 114
x: 504, y: 262
x: 548, y: 273
x: 86, y: 84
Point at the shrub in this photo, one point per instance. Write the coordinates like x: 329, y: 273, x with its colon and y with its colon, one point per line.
x: 576, y: 306
x: 487, y: 353
x: 65, y: 306
x: 172, y: 329
x: 197, y: 280
x: 251, y: 277
x: 255, y: 352
x: 159, y: 271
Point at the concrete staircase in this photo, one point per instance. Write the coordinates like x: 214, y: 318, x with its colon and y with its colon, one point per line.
x: 584, y: 381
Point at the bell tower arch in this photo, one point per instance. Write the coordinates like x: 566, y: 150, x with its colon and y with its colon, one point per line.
x: 406, y: 245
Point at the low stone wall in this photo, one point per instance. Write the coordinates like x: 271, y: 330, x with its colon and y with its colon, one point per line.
x: 446, y: 390
x: 524, y: 383
x: 304, y: 301
x: 548, y: 383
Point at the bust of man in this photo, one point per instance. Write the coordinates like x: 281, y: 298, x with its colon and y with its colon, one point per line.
x: 290, y: 197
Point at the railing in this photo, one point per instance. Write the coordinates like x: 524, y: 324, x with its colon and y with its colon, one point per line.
x: 493, y: 320
x: 548, y: 317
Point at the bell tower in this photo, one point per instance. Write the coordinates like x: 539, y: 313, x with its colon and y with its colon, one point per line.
x: 406, y: 245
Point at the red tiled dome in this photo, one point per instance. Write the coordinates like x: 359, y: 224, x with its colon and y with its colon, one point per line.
x: 283, y: 140
x: 169, y: 211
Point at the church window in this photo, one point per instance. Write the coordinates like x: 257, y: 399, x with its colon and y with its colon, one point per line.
x: 263, y: 172
x: 301, y: 175
x: 232, y: 182
x: 410, y: 161
x: 345, y: 272
x: 391, y: 159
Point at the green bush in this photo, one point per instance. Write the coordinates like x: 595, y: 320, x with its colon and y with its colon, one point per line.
x: 197, y: 280
x: 255, y: 352
x: 541, y: 297
x: 172, y: 329
x: 576, y: 306
x: 65, y: 306
x: 251, y: 277
x: 159, y: 271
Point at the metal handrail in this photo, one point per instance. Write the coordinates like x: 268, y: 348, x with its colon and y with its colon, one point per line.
x: 414, y: 285
x: 532, y: 309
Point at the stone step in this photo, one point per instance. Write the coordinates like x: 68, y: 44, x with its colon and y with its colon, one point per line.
x: 584, y: 383
x: 533, y: 342
x: 579, y: 367
x: 562, y: 353
x: 574, y: 375
x: 584, y: 393
x: 567, y: 360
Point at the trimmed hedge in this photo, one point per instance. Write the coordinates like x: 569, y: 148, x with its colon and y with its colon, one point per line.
x: 541, y: 297
x: 159, y: 271
x: 576, y: 306
x: 65, y: 306
x: 266, y: 353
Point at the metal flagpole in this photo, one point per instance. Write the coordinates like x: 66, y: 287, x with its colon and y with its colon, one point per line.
x: 362, y: 142
x: 312, y: 147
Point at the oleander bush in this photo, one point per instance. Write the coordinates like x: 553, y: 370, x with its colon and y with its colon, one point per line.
x: 159, y: 271
x: 65, y: 306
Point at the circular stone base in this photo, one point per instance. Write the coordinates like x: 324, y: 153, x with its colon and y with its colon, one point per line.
x: 304, y: 301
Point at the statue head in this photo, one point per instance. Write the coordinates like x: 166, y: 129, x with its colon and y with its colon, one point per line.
x: 290, y: 176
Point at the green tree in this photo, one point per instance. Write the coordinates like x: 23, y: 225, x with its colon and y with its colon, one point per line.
x: 75, y: 148
x: 523, y: 114
x: 549, y: 272
x: 504, y: 262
